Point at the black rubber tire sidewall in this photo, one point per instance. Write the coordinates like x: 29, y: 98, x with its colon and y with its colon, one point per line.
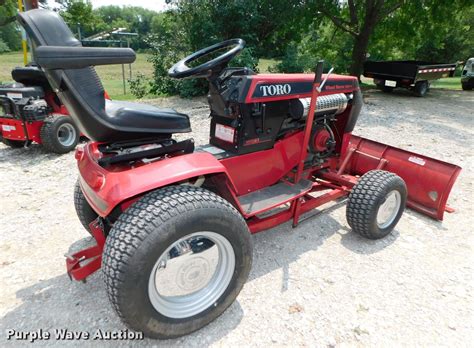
x: 84, y: 211
x: 421, y: 88
x: 49, y: 131
x: 362, y: 208
x: 134, y: 304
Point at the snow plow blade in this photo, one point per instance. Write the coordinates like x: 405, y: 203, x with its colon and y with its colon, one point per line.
x: 429, y: 181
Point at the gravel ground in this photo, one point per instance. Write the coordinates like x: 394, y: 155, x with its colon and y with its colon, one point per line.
x: 318, y: 284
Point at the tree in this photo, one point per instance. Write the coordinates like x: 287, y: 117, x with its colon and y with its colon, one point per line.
x: 135, y: 19
x: 80, y: 13
x: 267, y: 26
x: 10, y: 38
x: 359, y: 19
x: 427, y: 30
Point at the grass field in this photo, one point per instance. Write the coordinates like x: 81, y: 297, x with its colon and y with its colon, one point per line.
x: 111, y: 75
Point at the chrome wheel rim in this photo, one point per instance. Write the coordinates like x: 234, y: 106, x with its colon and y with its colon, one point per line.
x: 191, y: 275
x: 66, y: 134
x: 389, y: 209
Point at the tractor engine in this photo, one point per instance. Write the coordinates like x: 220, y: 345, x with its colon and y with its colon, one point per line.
x: 24, y: 103
x: 250, y: 112
x: 322, y: 142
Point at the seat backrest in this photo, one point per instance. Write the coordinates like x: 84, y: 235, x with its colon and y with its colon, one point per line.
x: 31, y: 75
x: 80, y: 90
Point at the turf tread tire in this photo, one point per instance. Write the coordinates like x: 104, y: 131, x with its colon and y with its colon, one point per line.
x: 365, y: 199
x: 84, y: 211
x: 159, y: 210
x: 48, y: 134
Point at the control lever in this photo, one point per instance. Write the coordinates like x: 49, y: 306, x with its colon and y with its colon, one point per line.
x: 320, y: 88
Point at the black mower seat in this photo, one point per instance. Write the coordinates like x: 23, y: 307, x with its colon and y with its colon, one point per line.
x: 144, y: 117
x: 69, y: 68
x: 30, y: 76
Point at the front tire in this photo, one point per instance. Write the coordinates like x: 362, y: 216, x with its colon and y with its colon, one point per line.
x: 376, y: 204
x: 175, y: 260
x: 59, y: 134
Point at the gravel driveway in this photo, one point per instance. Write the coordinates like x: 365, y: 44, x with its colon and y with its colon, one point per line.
x: 318, y: 284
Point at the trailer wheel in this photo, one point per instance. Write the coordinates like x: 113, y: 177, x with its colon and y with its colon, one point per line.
x: 175, y: 260
x: 421, y: 88
x: 84, y: 211
x: 59, y: 134
x: 376, y: 203
x: 13, y: 143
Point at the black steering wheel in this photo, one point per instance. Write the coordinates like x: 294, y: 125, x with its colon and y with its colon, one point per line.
x: 181, y: 70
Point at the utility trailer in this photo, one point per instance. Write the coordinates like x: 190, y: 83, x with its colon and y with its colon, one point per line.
x: 411, y: 74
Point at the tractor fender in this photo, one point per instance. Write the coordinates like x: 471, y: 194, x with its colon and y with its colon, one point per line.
x: 105, y: 189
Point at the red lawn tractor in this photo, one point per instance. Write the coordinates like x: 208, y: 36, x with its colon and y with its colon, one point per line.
x: 30, y: 111
x: 173, y: 222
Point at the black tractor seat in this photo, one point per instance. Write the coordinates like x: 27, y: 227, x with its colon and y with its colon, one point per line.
x: 30, y: 76
x: 144, y: 117
x: 69, y: 69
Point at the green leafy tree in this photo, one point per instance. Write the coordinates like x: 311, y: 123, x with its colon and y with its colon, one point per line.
x: 426, y: 30
x: 267, y: 26
x: 79, y: 13
x: 10, y: 36
x: 359, y: 19
x: 135, y: 19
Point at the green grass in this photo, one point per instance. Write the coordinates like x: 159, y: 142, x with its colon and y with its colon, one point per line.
x: 445, y: 83
x: 448, y: 83
x: 111, y: 75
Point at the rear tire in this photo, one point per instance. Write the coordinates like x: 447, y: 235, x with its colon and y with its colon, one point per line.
x: 13, y: 143
x: 59, y: 134
x: 421, y: 88
x: 84, y: 211
x: 172, y: 230
x: 466, y: 87
x: 376, y: 204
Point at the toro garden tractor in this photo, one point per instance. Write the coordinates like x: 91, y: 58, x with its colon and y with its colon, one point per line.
x: 173, y: 222
x: 30, y: 111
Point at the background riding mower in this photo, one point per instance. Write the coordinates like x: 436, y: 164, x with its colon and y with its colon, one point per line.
x: 172, y: 223
x: 31, y: 111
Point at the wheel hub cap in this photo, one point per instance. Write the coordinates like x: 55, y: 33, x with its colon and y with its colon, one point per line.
x: 66, y: 134
x: 191, y: 274
x: 388, y: 210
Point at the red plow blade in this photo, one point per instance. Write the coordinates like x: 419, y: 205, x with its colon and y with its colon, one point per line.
x: 429, y: 181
